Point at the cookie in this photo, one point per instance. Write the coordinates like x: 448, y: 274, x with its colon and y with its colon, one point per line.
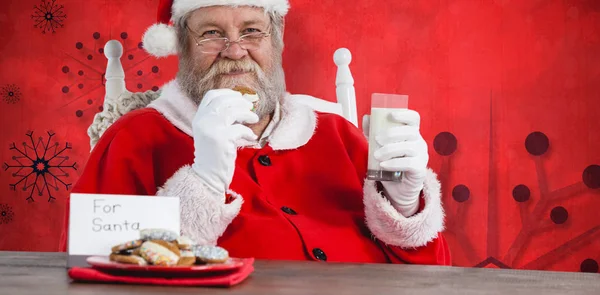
x: 184, y: 243
x: 187, y: 253
x: 171, y: 246
x: 243, y: 90
x: 248, y: 94
x: 127, y: 259
x: 158, y: 234
x: 126, y: 246
x: 136, y: 251
x: 210, y: 254
x: 187, y: 258
x: 157, y: 254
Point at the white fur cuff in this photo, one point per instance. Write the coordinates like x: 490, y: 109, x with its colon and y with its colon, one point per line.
x: 204, y: 214
x: 389, y: 226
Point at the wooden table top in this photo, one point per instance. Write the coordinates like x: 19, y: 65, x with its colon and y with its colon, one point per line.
x: 45, y: 273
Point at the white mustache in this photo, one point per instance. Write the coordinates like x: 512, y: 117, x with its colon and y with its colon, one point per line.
x: 229, y: 66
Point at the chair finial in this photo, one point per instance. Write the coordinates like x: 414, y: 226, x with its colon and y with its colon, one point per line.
x: 113, y: 49
x: 344, y: 83
x: 342, y: 57
x: 115, y: 75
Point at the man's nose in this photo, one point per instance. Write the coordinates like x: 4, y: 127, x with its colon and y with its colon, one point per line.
x: 235, y: 52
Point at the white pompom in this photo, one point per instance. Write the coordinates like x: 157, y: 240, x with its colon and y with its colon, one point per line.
x: 160, y: 40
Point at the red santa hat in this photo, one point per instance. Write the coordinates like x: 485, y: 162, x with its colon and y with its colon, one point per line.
x: 160, y: 40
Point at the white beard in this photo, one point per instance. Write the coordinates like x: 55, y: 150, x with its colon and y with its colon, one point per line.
x: 270, y: 87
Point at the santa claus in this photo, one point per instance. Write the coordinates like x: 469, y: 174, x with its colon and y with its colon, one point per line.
x: 272, y: 178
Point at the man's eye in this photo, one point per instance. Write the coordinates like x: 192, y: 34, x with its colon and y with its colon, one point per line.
x: 211, y: 33
x: 251, y: 30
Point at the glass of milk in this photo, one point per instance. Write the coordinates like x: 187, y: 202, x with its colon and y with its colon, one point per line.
x: 381, y: 107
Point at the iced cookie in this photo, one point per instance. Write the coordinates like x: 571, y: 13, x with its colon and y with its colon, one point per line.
x: 157, y: 254
x: 126, y: 246
x: 248, y: 94
x: 211, y: 254
x: 128, y: 259
x: 171, y: 246
x: 185, y: 243
x: 187, y: 258
x: 158, y: 234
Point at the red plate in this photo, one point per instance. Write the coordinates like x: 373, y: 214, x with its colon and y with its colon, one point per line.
x: 103, y: 263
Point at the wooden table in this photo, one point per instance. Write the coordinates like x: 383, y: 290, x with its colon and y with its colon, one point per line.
x: 45, y: 273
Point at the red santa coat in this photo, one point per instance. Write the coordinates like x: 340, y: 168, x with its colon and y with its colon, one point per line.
x: 303, y: 196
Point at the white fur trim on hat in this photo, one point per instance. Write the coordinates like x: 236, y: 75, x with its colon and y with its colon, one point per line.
x: 160, y: 40
x: 181, y: 7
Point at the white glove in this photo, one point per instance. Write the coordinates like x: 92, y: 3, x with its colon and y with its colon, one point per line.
x: 402, y: 149
x: 217, y: 129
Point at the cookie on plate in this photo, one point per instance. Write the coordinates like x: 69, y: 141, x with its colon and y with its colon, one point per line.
x: 187, y: 258
x: 136, y: 251
x: 185, y: 243
x: 171, y: 246
x: 158, y: 254
x: 127, y: 259
x: 125, y: 247
x: 210, y: 254
x: 158, y: 234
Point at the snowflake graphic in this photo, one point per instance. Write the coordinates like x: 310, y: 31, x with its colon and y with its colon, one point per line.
x: 40, y: 166
x: 85, y: 69
x: 533, y: 221
x: 11, y: 93
x: 6, y: 214
x: 48, y: 16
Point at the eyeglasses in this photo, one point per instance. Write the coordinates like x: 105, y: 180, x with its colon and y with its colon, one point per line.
x: 248, y: 42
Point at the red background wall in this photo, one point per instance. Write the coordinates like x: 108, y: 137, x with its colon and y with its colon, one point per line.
x: 508, y: 92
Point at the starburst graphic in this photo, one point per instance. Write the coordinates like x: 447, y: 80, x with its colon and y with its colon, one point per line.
x: 10, y: 93
x: 40, y: 166
x: 6, y: 214
x: 48, y: 16
x: 533, y: 222
x: 85, y: 72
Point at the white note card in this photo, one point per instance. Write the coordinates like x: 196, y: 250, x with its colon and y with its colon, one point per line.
x: 98, y: 222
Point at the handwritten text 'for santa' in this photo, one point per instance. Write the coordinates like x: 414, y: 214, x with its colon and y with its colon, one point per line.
x: 98, y: 222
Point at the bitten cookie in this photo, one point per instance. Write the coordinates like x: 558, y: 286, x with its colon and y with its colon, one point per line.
x: 210, y: 254
x: 184, y: 243
x: 158, y: 234
x: 128, y: 259
x: 158, y: 254
x: 249, y: 95
x: 126, y: 246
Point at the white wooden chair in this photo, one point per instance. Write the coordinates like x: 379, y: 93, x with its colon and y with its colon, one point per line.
x: 118, y: 100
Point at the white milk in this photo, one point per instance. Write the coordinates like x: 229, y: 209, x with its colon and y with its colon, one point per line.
x: 379, y: 122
